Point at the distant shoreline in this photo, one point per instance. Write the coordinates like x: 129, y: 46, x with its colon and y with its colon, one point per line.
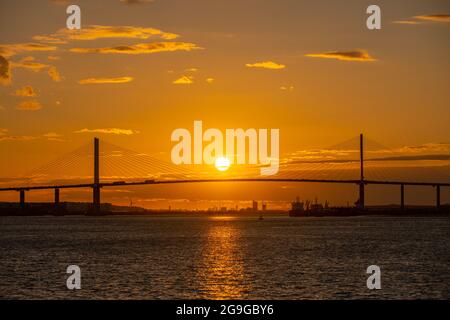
x: 256, y: 215
x: 107, y: 209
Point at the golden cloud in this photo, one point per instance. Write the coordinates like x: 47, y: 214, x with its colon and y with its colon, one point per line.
x: 108, y: 131
x: 16, y: 138
x: 287, y: 88
x: 53, y: 136
x: 54, y: 74
x: 355, y: 55
x: 30, y: 64
x: 5, y: 71
x: 430, y: 151
x: 131, y: 2
x: 49, y: 39
x: 105, y: 80
x: 423, y: 148
x: 434, y: 17
x: 9, y: 50
x: 210, y: 80
x: 60, y: 1
x: 141, y: 48
x: 266, y: 65
x: 26, y: 91
x: 31, y: 105
x: 406, y: 22
x: 104, y: 32
x: 184, y: 80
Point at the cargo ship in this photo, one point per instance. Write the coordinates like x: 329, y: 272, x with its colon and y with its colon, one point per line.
x: 304, y: 209
x: 308, y: 209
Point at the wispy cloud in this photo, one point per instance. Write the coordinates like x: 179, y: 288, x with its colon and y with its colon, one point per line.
x: 354, y: 55
x: 95, y: 32
x: 31, y: 105
x: 5, y: 71
x: 416, y: 20
x: 53, y: 136
x: 141, y: 48
x: 115, y: 80
x: 427, y: 151
x: 434, y: 17
x: 60, y: 1
x: 4, y: 136
x: 26, y: 91
x: 54, y: 74
x: 423, y: 148
x: 409, y: 22
x: 133, y: 2
x: 8, y: 50
x: 287, y: 88
x: 210, y: 80
x: 50, y: 136
x: 184, y: 80
x: 30, y: 64
x: 421, y: 157
x: 49, y: 39
x: 319, y: 154
x: 266, y: 65
x: 116, y: 131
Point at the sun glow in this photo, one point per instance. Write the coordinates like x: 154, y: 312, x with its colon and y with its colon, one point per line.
x: 222, y: 164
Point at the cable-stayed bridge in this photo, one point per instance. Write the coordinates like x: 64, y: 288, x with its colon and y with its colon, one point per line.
x: 108, y: 165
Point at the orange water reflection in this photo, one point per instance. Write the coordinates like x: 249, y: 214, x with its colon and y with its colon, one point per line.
x: 221, y: 270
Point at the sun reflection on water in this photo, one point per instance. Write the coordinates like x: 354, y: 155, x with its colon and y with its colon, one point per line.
x: 221, y: 269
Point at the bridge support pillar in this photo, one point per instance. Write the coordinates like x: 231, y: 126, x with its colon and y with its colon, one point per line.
x: 96, y: 187
x: 402, y: 197
x: 438, y: 197
x: 96, y: 200
x: 361, y: 196
x: 22, y: 198
x: 361, y: 184
x: 56, y: 196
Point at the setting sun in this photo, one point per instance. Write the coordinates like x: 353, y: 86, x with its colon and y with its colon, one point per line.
x: 222, y: 164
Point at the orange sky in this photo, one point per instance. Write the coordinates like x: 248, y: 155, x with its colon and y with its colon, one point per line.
x: 135, y: 72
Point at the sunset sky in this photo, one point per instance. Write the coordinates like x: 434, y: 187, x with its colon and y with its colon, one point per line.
x: 137, y: 70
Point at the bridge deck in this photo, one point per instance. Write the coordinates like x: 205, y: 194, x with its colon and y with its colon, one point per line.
x: 154, y: 182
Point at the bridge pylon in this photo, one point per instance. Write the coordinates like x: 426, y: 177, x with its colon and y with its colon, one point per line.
x: 361, y: 182
x: 96, y: 186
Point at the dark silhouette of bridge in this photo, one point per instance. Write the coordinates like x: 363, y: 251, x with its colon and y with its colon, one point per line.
x: 96, y: 185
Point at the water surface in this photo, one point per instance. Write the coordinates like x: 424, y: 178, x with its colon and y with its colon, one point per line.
x: 192, y: 257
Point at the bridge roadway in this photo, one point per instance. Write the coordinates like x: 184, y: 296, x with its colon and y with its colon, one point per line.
x: 155, y: 182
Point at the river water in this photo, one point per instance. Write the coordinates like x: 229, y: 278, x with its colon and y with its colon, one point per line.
x: 199, y: 257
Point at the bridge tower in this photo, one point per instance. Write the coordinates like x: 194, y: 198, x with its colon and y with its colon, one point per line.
x: 96, y: 186
x: 361, y: 182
